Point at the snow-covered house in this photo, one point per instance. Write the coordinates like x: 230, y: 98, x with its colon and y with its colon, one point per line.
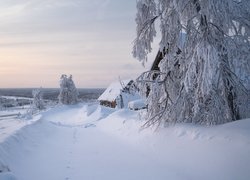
x: 118, y: 94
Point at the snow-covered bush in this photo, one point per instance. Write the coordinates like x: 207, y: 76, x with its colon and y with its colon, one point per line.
x: 68, y: 92
x: 204, y: 75
x: 38, y: 102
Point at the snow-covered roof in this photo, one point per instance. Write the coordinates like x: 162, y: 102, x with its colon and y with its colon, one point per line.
x: 113, y: 90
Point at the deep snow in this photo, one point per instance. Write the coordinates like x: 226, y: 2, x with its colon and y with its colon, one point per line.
x: 91, y: 142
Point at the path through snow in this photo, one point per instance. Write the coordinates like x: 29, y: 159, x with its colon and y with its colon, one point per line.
x: 62, y: 151
x: 87, y: 142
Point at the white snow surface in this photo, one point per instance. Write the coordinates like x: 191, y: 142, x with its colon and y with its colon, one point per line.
x: 137, y: 104
x: 91, y: 142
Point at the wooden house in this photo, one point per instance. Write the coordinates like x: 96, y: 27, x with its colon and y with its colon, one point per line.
x: 114, y: 93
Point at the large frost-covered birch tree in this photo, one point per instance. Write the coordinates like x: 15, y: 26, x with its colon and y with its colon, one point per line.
x: 204, y: 75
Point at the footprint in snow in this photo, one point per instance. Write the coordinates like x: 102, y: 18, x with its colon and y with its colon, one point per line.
x: 75, y: 135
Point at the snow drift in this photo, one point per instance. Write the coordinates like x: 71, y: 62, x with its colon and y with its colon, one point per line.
x: 89, y: 141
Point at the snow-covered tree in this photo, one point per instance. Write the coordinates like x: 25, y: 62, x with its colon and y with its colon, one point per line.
x: 205, y: 71
x: 38, y: 102
x: 68, y: 92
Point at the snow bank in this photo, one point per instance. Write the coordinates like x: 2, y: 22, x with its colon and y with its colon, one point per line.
x: 190, y: 151
x: 7, y: 176
x: 88, y: 141
x: 17, y: 145
x: 137, y: 104
x: 9, y: 127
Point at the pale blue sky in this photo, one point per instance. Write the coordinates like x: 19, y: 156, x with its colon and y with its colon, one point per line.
x: 90, y: 39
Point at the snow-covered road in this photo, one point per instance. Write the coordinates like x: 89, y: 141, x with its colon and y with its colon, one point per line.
x: 81, y: 153
x: 62, y: 151
x: 88, y: 142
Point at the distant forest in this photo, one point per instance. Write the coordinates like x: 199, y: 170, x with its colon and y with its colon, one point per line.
x: 50, y: 93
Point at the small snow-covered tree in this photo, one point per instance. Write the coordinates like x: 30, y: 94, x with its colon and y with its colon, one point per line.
x: 205, y: 71
x: 38, y: 102
x: 68, y: 92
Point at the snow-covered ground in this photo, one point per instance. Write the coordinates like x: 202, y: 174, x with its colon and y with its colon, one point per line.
x: 91, y: 142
